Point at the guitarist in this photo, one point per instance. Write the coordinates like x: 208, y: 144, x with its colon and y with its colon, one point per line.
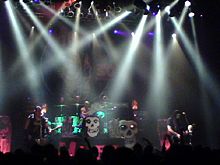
x: 179, y: 128
x: 36, y: 127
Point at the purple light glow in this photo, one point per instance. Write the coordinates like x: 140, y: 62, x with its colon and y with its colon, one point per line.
x: 154, y: 14
x: 50, y: 31
x: 36, y: 1
x: 118, y: 32
x: 151, y: 33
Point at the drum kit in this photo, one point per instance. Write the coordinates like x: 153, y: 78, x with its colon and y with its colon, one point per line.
x: 69, y: 118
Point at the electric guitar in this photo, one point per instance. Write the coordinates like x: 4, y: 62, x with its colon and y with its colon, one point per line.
x: 44, y: 141
x: 185, y: 136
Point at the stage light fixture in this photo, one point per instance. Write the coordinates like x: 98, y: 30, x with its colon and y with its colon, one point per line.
x: 191, y: 14
x: 174, y: 35
x: 115, y: 31
x: 77, y: 5
x: 116, y: 7
x: 108, y: 8
x: 70, y: 14
x: 65, y: 11
x: 187, y: 3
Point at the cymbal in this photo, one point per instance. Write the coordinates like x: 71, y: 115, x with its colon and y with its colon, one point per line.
x: 77, y: 104
x: 60, y: 105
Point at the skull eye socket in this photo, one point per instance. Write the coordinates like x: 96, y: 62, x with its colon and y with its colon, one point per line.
x: 132, y: 126
x: 88, y: 121
x: 123, y: 127
x: 96, y: 121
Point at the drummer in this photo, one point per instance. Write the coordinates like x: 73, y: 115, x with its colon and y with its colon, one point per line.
x: 85, y: 110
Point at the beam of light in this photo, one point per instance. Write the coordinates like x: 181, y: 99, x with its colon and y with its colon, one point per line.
x: 78, y: 12
x: 123, y: 74
x: 203, y: 72
x: 36, y: 39
x: 162, y: 13
x: 204, y: 93
x: 106, y: 37
x: 60, y: 58
x: 2, y: 96
x: 65, y: 20
x: 30, y: 69
x: 208, y: 84
x: 194, y: 34
x: 53, y: 19
x: 183, y: 16
x: 31, y: 32
x: 98, y: 32
x: 74, y: 77
x: 174, y: 35
x: 158, y: 86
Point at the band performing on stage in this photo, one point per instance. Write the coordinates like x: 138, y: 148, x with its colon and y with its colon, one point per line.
x: 99, y: 119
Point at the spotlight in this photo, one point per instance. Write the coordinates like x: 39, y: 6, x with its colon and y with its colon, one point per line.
x: 148, y: 7
x: 174, y: 35
x: 106, y: 14
x: 154, y: 8
x: 50, y: 31
x: 167, y: 10
x: 147, y: 10
x: 65, y: 11
x: 187, y: 3
x: 108, y: 8
x: 117, y: 8
x: 70, y: 14
x: 191, y: 14
x: 77, y: 5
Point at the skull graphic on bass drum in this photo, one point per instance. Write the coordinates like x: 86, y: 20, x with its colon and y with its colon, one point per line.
x: 128, y: 130
x: 92, y: 125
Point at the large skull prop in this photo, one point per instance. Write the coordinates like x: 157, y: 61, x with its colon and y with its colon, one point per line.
x: 92, y: 125
x: 128, y: 130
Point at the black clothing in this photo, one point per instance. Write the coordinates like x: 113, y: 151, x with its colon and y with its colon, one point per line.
x: 179, y: 124
x: 37, y: 129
